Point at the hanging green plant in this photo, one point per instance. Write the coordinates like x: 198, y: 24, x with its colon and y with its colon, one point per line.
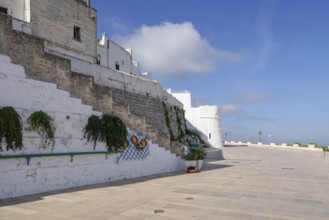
x: 1, y: 130
x: 10, y: 129
x: 108, y: 129
x: 93, y: 129
x: 42, y: 123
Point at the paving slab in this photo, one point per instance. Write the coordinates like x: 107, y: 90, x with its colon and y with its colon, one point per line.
x: 250, y: 183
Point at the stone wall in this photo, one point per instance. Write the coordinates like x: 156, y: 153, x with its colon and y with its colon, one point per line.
x: 71, y: 162
x: 148, y: 106
x: 139, y: 111
x: 15, y: 8
x: 55, y: 21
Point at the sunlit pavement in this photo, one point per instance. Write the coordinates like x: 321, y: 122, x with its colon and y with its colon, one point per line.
x: 251, y: 183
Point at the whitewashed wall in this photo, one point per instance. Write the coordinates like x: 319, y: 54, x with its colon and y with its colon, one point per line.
x: 52, y: 173
x: 209, y: 124
x: 117, y: 79
x: 204, y: 118
x: 19, y: 9
x: 111, y: 54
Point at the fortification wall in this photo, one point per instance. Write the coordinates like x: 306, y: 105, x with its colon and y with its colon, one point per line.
x: 28, y: 51
x: 72, y: 161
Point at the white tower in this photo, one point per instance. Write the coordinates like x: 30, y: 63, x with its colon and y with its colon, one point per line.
x: 206, y: 119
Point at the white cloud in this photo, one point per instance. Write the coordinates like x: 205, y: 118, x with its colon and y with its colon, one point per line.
x: 229, y: 109
x: 169, y: 49
x: 268, y: 42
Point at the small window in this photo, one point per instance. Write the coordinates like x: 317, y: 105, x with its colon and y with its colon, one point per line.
x: 3, y: 10
x: 209, y: 135
x: 98, y: 59
x: 76, y: 33
x: 117, y: 66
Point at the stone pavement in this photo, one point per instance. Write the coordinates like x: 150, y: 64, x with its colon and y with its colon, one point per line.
x: 251, y: 183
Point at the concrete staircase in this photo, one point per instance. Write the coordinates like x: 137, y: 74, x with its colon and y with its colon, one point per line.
x: 19, y: 92
x: 69, y: 102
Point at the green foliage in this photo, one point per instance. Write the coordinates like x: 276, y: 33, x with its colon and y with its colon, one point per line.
x: 166, y: 113
x: 297, y: 143
x: 196, y: 134
x: 108, y: 129
x: 93, y: 129
x: 10, y: 129
x: 2, y: 130
x: 191, y: 138
x: 325, y: 149
x: 42, y: 123
x: 179, y: 122
x: 114, y: 133
x: 196, y: 153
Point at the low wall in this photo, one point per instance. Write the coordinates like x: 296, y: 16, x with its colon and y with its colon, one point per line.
x: 72, y: 162
x: 282, y: 145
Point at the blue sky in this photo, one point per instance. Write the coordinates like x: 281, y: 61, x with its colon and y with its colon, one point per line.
x: 265, y: 63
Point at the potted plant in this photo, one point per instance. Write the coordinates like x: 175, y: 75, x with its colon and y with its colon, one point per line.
x: 195, y: 157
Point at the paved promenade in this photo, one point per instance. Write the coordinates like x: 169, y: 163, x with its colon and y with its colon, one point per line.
x: 251, y: 183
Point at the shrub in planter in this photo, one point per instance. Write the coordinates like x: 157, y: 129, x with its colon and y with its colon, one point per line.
x: 195, y: 153
x: 195, y: 158
x: 10, y: 129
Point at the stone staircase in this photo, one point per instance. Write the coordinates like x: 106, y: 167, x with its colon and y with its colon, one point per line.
x: 47, y: 92
x: 28, y: 51
x: 35, y: 95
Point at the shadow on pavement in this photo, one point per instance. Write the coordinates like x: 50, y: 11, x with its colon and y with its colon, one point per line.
x: 213, y: 155
x: 40, y: 196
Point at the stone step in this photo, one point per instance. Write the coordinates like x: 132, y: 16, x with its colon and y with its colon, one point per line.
x: 4, y: 58
x: 12, y: 70
x: 46, y: 92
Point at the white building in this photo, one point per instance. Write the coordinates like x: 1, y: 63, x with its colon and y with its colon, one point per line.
x: 205, y: 118
x: 112, y: 55
x: 74, y: 35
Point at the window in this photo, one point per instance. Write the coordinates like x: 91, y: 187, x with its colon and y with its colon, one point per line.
x: 76, y: 33
x: 3, y: 10
x: 209, y: 135
x: 98, y: 59
x: 117, y: 66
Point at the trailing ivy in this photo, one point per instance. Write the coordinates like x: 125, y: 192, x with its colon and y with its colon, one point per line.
x: 114, y: 133
x: 42, y: 123
x: 108, y: 129
x: 179, y: 122
x: 93, y: 129
x: 1, y: 131
x: 166, y: 113
x: 10, y: 129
